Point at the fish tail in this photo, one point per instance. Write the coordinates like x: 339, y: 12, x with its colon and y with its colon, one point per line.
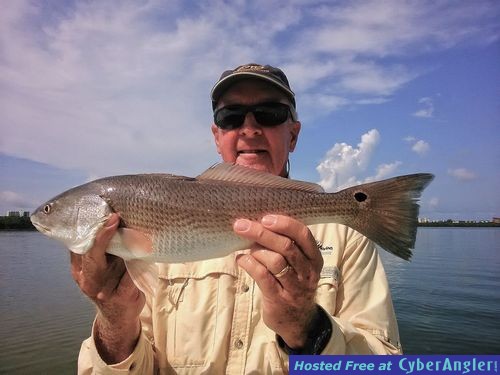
x: 388, y: 211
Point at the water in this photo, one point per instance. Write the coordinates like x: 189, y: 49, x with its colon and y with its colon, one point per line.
x: 447, y: 299
x: 44, y: 316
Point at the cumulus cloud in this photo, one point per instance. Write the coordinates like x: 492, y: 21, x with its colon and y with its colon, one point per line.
x: 106, y: 87
x: 384, y: 171
x: 418, y: 146
x: 427, y: 109
x: 462, y: 174
x: 343, y: 164
x: 421, y: 147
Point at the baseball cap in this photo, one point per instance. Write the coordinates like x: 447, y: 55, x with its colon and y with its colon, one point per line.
x: 267, y: 73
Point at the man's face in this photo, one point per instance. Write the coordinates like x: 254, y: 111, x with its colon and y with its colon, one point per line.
x: 253, y: 145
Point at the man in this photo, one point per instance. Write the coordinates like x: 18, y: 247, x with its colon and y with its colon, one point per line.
x: 299, y: 290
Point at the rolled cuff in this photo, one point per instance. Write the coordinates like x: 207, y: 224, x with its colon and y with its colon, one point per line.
x: 140, y: 361
x: 347, y: 339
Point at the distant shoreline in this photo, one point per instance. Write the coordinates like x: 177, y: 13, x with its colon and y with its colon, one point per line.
x: 24, y: 223
x: 488, y: 224
x: 16, y: 223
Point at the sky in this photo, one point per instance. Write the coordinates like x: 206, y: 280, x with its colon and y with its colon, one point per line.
x: 383, y: 88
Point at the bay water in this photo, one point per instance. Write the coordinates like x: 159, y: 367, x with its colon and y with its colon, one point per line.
x: 447, y: 299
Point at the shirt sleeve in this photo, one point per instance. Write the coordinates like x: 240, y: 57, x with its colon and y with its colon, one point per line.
x: 141, y: 360
x: 364, y: 321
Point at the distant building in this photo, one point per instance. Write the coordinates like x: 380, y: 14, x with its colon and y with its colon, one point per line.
x: 18, y: 213
x: 496, y: 220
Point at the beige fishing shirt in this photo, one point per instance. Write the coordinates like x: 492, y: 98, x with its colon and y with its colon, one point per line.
x: 206, y: 317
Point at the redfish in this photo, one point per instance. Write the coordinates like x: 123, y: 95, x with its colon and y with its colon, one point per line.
x: 169, y: 218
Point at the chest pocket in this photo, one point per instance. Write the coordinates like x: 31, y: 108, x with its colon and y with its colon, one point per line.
x: 195, y: 300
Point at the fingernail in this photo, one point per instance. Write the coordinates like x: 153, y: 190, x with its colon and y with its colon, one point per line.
x: 242, y: 259
x: 242, y: 225
x: 269, y: 220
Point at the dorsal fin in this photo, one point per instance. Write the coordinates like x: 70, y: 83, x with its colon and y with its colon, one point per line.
x: 244, y: 175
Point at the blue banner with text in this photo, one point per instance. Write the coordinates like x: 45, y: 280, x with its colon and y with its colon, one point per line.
x: 394, y: 365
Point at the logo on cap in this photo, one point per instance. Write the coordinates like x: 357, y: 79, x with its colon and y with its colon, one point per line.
x: 252, y: 68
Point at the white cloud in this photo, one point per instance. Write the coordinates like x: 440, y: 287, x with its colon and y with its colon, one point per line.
x: 433, y: 202
x: 462, y: 174
x: 323, y: 103
x: 373, y: 79
x: 392, y: 27
x: 428, y: 108
x: 14, y: 200
x: 343, y: 164
x: 374, y: 100
x: 111, y: 88
x: 421, y: 147
x: 384, y: 171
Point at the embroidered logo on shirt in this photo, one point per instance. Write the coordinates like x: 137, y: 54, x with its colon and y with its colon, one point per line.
x: 325, y: 250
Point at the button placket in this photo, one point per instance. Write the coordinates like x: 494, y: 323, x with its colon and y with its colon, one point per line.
x: 240, y: 324
x: 238, y: 344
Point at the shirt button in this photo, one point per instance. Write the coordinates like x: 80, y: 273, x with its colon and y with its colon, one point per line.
x: 238, y: 344
x: 245, y: 288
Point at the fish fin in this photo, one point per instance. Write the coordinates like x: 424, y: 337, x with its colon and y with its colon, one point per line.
x: 167, y: 176
x: 82, y: 244
x: 138, y: 243
x: 388, y: 211
x: 144, y: 274
x: 239, y: 174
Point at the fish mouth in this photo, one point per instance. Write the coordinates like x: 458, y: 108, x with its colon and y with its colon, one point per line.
x: 41, y: 228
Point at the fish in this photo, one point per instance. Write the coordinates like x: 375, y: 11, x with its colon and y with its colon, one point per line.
x: 166, y: 218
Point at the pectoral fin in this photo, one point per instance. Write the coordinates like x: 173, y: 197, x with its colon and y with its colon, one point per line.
x: 130, y: 244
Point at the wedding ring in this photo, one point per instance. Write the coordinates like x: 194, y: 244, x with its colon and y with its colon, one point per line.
x: 282, y: 272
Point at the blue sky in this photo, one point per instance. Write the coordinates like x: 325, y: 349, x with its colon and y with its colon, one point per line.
x: 97, y: 88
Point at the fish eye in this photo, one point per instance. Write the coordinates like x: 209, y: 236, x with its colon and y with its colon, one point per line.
x: 47, y: 208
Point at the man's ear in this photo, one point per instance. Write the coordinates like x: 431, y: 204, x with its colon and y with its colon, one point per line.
x: 215, y: 132
x: 294, y: 132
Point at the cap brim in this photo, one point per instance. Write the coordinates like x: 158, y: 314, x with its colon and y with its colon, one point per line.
x: 221, y: 86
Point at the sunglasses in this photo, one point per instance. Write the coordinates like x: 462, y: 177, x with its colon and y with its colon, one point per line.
x: 266, y: 114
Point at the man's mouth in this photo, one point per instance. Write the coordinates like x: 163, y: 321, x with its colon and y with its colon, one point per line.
x: 250, y: 151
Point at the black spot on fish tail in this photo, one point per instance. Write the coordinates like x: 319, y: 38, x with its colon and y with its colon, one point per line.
x: 360, y: 196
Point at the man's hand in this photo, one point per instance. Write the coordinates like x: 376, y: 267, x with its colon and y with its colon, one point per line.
x: 105, y: 280
x: 286, y: 263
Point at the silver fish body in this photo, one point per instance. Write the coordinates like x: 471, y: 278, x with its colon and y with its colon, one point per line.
x: 188, y: 219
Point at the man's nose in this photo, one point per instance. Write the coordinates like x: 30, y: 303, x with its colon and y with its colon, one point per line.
x: 250, y: 126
